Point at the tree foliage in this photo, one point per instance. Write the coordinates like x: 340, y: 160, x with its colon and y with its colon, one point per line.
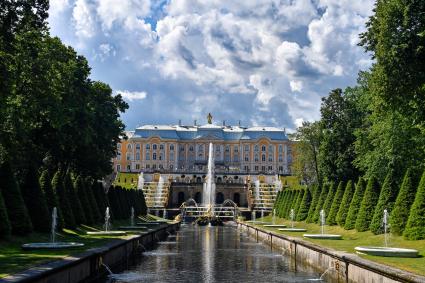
x: 355, y: 203
x: 345, y: 204
x: 368, y: 204
x: 415, y: 227
x: 336, y: 203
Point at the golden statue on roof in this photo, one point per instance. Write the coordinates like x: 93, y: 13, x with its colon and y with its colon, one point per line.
x: 209, y: 118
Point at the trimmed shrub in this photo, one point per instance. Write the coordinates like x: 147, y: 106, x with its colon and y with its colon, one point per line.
x: 35, y: 201
x: 100, y: 196
x: 305, y: 205
x: 64, y: 205
x: 367, y: 207
x: 16, y: 210
x: 320, y: 203
x: 81, y: 191
x: 403, y: 203
x: 386, y: 201
x: 5, y: 228
x: 329, y: 197
x: 415, y: 227
x: 345, y: 204
x: 356, y: 201
x: 336, y: 202
x: 51, y: 197
x: 292, y: 203
x: 298, y: 201
x: 142, y: 201
x: 77, y: 207
x: 283, y: 203
x: 97, y: 215
x: 315, y: 198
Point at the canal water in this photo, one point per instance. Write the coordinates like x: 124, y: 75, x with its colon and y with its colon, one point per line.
x: 214, y: 254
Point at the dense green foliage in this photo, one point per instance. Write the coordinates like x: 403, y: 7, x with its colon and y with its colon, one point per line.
x: 74, y: 197
x: 315, y: 198
x: 304, y: 205
x: 336, y: 203
x: 5, y: 228
x: 320, y: 203
x: 403, y: 203
x: 368, y: 204
x: 63, y: 199
x: 345, y: 204
x: 415, y: 227
x: 356, y: 201
x: 329, y: 198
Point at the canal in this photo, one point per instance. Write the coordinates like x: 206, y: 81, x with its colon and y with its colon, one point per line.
x: 214, y: 254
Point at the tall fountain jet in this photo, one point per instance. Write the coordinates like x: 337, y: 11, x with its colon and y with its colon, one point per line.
x: 209, y: 185
x: 141, y: 182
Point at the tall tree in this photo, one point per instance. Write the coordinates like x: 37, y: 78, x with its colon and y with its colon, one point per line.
x: 368, y: 204
x: 415, y: 227
x: 355, y: 203
x: 345, y: 204
x: 336, y: 203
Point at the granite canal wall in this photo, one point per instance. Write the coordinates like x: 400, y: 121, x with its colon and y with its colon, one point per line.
x: 340, y: 266
x: 88, y: 266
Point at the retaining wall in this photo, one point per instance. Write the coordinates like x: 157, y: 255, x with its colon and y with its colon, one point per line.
x: 343, y: 267
x: 87, y: 267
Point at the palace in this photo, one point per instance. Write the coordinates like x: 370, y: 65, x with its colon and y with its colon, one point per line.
x: 184, y: 149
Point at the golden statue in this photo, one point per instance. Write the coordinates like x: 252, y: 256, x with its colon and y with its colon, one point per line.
x: 209, y: 117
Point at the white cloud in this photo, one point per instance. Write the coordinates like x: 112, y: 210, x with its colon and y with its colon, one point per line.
x: 83, y: 18
x: 132, y: 95
x: 296, y: 86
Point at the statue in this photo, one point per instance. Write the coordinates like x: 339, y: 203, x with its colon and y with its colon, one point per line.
x: 209, y: 117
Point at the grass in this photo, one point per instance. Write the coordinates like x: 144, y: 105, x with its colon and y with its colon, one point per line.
x: 126, y: 180
x: 352, y: 239
x: 13, y: 259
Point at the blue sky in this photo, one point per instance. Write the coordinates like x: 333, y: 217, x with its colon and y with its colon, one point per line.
x: 263, y: 62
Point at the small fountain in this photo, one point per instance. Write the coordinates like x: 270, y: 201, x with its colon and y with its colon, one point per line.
x: 141, y: 182
x: 262, y: 214
x: 158, y: 193
x: 322, y: 234
x: 107, y: 227
x: 273, y: 224
x: 164, y: 213
x: 257, y: 190
x: 277, y: 184
x: 132, y: 224
x: 292, y: 229
x: 52, y: 244
x: 386, y: 251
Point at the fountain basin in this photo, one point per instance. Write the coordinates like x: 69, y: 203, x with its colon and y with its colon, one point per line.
x: 388, y: 252
x: 107, y: 233
x: 259, y: 222
x: 323, y: 236
x: 275, y: 225
x: 51, y: 246
x: 135, y: 228
x: 293, y: 230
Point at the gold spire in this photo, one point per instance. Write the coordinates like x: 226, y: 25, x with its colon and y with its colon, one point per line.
x: 209, y: 117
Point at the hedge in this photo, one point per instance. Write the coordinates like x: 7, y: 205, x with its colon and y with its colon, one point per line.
x: 368, y: 205
x: 336, y: 202
x: 356, y: 201
x: 305, y: 205
x: 64, y: 205
x: 415, y: 228
x: 345, y: 204
x: 320, y: 203
x: 315, y: 198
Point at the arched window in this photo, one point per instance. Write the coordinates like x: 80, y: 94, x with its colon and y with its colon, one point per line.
x: 256, y: 147
x: 171, y: 147
x: 201, y: 147
x: 138, y: 146
x: 129, y: 156
x: 246, y: 147
x: 256, y: 157
x: 154, y: 146
x: 148, y: 156
x: 148, y: 146
x: 280, y: 148
x: 129, y: 146
x: 154, y: 156
x: 263, y: 157
x: 137, y: 156
x: 161, y: 146
x: 263, y: 148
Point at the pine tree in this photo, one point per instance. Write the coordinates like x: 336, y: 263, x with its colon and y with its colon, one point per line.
x: 97, y: 215
x: 81, y: 191
x: 298, y: 201
x: 15, y: 205
x: 356, y: 201
x: 64, y: 205
x: 336, y: 202
x: 367, y: 207
x: 5, y: 228
x: 35, y: 201
x: 100, y: 196
x: 320, y: 203
x: 386, y: 201
x: 345, y: 204
x: 283, y: 203
x: 415, y: 227
x: 74, y: 200
x: 292, y: 203
x: 403, y: 203
x: 288, y: 203
x: 329, y: 197
x: 51, y: 197
x: 305, y: 205
x: 315, y: 198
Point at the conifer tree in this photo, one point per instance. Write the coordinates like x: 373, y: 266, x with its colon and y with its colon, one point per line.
x: 292, y: 203
x: 99, y: 194
x: 17, y: 211
x: 97, y: 215
x: 5, y: 228
x: 74, y: 200
x: 315, y: 198
x: 81, y: 191
x: 356, y: 201
x: 345, y: 204
x: 288, y: 203
x: 298, y: 201
x: 64, y: 205
x: 320, y: 203
x: 403, y: 203
x: 305, y: 205
x: 283, y: 203
x: 415, y: 227
x: 51, y: 197
x: 386, y: 201
x: 336, y: 202
x: 368, y: 204
x: 329, y: 197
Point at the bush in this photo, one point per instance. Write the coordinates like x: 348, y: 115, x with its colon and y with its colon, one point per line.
x: 315, y: 198
x: 300, y: 195
x: 386, y: 201
x: 100, y: 196
x: 305, y: 205
x: 97, y: 214
x: 415, y: 227
x: 329, y: 197
x: 51, y: 197
x: 283, y: 203
x: 5, y: 228
x: 345, y: 204
x: 77, y: 207
x: 356, y: 201
x: 336, y: 202
x: 35, y: 201
x: 292, y: 203
x: 81, y: 191
x: 367, y: 207
x: 16, y: 209
x: 403, y: 203
x: 320, y: 202
x: 64, y: 205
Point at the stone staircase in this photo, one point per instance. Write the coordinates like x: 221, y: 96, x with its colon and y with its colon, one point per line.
x: 266, y: 198
x: 156, y: 196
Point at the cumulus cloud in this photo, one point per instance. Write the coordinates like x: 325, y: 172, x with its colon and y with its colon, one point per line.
x: 132, y: 95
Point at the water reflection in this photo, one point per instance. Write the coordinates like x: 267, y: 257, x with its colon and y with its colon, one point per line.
x: 213, y: 254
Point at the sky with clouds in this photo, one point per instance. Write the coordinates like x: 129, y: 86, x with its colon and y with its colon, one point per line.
x: 263, y: 62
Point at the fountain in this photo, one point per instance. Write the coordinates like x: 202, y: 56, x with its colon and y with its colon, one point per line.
x: 277, y: 184
x: 164, y: 213
x: 141, y: 182
x: 386, y: 251
x: 273, y: 225
x: 158, y: 193
x: 322, y: 234
x: 257, y: 190
x: 107, y: 226
x: 132, y: 224
x: 292, y: 229
x: 52, y: 244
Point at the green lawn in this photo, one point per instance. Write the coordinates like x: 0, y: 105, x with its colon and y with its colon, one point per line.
x: 352, y: 239
x: 14, y: 259
x: 126, y: 180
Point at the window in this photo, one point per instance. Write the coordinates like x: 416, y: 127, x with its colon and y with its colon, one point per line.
x: 270, y: 148
x: 129, y: 146
x: 148, y: 146
x: 263, y: 157
x: 227, y: 148
x: 138, y: 146
x: 256, y: 157
x: 137, y: 166
x: 246, y: 168
x: 246, y: 158
x: 118, y: 155
x: 217, y: 148
x: 137, y: 156
x: 161, y: 146
x: 246, y: 147
x: 154, y: 156
x: 235, y: 148
x: 200, y: 147
x: 270, y: 168
x: 118, y: 168
x: 280, y: 158
x: 128, y: 168
x: 263, y: 168
x: 119, y: 146
x: 171, y: 167
x: 263, y: 148
x: 154, y: 146
x: 256, y: 147
x: 161, y: 156
x: 280, y: 168
x: 171, y: 156
x: 191, y: 148
x: 148, y: 166
x: 280, y: 148
x: 160, y: 166
x: 148, y: 156
x: 154, y: 166
x: 171, y: 147
x: 182, y: 148
x: 270, y: 158
x: 255, y: 168
x: 129, y: 156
